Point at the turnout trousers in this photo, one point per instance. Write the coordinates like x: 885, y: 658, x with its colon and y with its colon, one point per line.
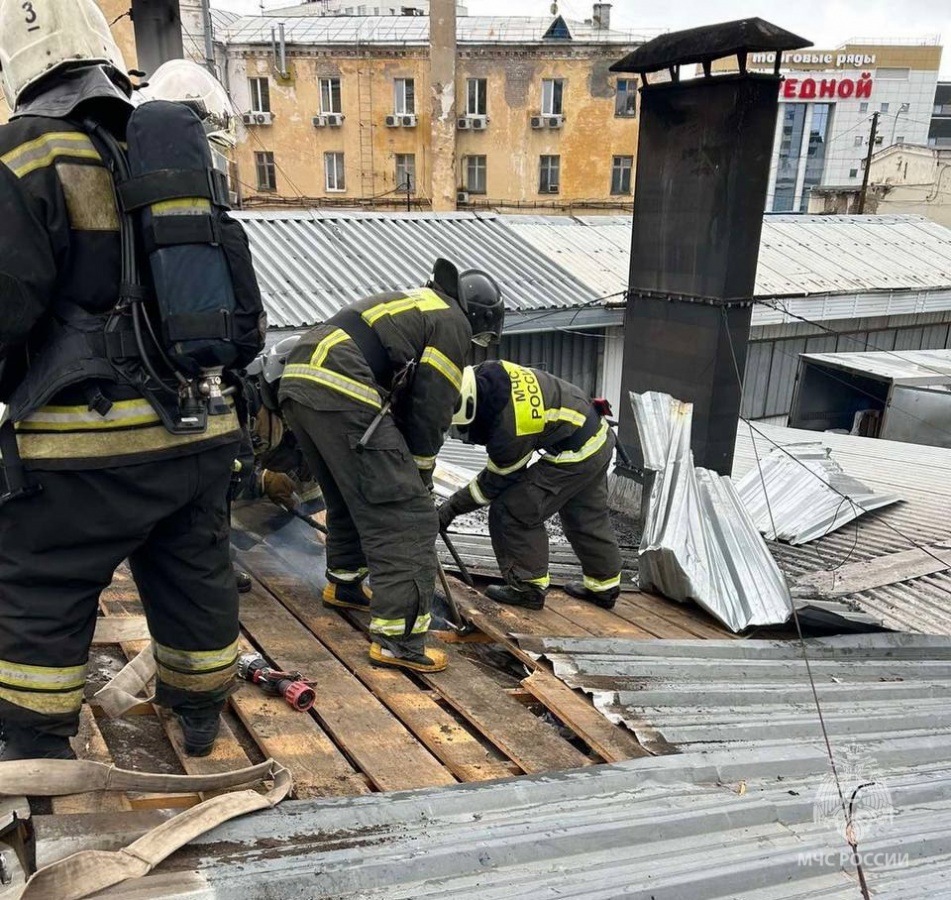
x: 578, y: 493
x: 380, y: 517
x: 59, y: 549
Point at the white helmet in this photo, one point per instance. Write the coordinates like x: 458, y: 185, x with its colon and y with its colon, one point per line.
x: 468, y: 396
x: 184, y: 81
x: 43, y: 36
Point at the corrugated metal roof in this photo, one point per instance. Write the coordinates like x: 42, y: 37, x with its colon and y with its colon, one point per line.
x: 699, y: 542
x: 920, y: 475
x: 908, y: 367
x: 797, y: 494
x: 311, y: 264
x: 414, y: 30
x: 736, y: 820
x: 799, y: 255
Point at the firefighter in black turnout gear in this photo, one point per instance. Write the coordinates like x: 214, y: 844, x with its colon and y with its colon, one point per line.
x: 375, y: 468
x: 118, y: 443
x: 516, y: 413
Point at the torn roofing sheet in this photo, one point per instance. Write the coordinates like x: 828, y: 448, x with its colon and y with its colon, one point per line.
x: 699, y: 542
x: 808, y: 494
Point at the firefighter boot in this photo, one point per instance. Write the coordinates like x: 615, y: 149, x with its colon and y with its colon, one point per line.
x: 353, y: 595
x: 431, y: 660
x: 243, y: 581
x: 199, y: 731
x: 604, y: 599
x: 23, y: 742
x: 528, y: 597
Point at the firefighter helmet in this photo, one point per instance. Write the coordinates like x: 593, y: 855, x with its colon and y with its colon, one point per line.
x: 47, y: 36
x: 184, y: 81
x: 268, y: 368
x: 481, y: 298
x: 465, y: 410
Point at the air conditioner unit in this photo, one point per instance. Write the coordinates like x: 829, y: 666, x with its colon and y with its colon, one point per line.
x: 463, y: 124
x: 538, y: 122
x: 392, y: 122
x: 334, y: 120
x: 408, y: 121
x: 554, y: 121
x: 879, y: 139
x: 319, y: 121
x: 262, y: 118
x: 248, y: 118
x: 904, y: 107
x: 479, y: 123
x: 552, y: 189
x: 462, y: 196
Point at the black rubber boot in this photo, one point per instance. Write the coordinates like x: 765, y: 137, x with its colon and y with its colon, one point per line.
x: 199, y: 731
x: 529, y: 598
x: 604, y: 599
x: 347, y: 596
x: 26, y: 743
x: 243, y: 581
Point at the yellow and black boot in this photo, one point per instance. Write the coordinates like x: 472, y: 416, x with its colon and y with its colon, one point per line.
x: 353, y: 595
x: 429, y: 660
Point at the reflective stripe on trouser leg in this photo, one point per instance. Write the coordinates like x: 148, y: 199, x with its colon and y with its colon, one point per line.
x: 196, y: 671
x: 607, y: 584
x: 345, y: 576
x: 47, y: 690
x: 396, y: 628
x: 540, y: 583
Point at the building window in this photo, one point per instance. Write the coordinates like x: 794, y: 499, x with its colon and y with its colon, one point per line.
x: 853, y: 173
x: 863, y: 107
x: 884, y: 107
x: 406, y: 172
x: 267, y: 176
x: 626, y: 102
x: 404, y: 97
x: 790, y: 148
x: 549, y: 171
x: 260, y: 94
x: 900, y: 139
x: 334, y: 172
x: 330, y: 96
x: 476, y: 101
x: 621, y: 174
x: 475, y: 174
x: 553, y: 96
x: 818, y: 138
x: 859, y: 140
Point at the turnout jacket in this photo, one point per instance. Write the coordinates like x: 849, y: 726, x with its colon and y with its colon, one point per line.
x: 355, y: 357
x: 60, y: 255
x: 521, y: 412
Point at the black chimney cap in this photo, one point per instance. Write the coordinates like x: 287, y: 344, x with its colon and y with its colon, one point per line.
x: 707, y: 43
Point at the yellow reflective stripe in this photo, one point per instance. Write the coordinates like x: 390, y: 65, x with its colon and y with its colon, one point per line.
x: 183, y: 206
x: 397, y: 627
x: 46, y: 703
x: 198, y: 682
x: 589, y: 448
x: 542, y: 582
x: 337, y: 336
x: 42, y: 678
x: 123, y: 414
x: 442, y: 364
x: 425, y: 462
x: 46, y: 149
x: 571, y: 416
x: 422, y: 624
x: 195, y: 660
x: 592, y: 584
x: 508, y: 470
x: 339, y: 383
x: 476, y: 492
x: 347, y: 576
x: 421, y: 299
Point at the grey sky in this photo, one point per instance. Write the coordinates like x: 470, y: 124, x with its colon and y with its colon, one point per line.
x: 825, y: 22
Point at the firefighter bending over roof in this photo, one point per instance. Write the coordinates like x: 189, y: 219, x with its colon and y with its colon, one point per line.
x: 516, y: 412
x: 410, y: 347
x: 118, y: 442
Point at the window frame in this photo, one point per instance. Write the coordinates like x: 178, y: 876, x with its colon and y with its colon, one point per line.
x: 630, y: 93
x: 548, y: 163
x: 473, y: 163
x: 400, y: 95
x: 618, y: 169
x: 550, y: 94
x: 260, y: 100
x: 329, y: 81
x: 264, y: 162
x: 481, y: 87
x: 409, y: 171
x: 339, y: 169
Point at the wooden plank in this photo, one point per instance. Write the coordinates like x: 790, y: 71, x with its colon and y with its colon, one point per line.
x: 513, y: 619
x: 115, y: 629
x: 873, y: 573
x: 382, y: 747
x: 611, y: 742
x: 449, y: 742
x: 90, y: 744
x: 598, y: 622
x: 686, y: 616
x: 628, y: 609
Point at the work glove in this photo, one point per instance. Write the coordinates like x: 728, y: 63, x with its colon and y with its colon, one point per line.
x: 446, y: 516
x: 279, y: 488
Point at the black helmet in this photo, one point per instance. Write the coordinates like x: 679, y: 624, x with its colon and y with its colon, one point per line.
x: 481, y: 299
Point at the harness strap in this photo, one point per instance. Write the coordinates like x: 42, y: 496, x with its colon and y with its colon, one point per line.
x: 172, y: 184
x: 577, y: 439
x: 17, y: 483
x: 368, y: 342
